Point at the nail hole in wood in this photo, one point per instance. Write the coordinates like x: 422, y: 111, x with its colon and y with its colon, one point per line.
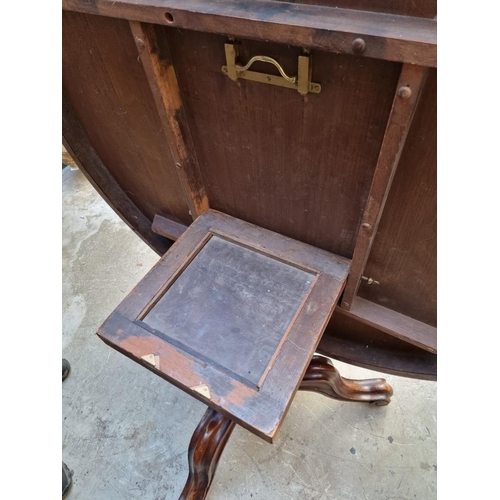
x: 169, y: 17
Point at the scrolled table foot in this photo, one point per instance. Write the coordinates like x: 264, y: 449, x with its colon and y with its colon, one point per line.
x: 322, y: 377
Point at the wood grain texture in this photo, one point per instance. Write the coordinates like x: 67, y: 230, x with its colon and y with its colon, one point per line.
x: 396, y: 38
x: 109, y: 93
x: 403, y: 256
x: 119, y: 137
x: 214, y: 430
x: 262, y: 149
x: 167, y: 227
x: 393, y: 323
x: 155, y: 56
x: 231, y: 306
x: 422, y: 8
x: 259, y: 409
x: 205, y: 448
x: 323, y: 378
x: 370, y: 313
x: 348, y: 339
x: 78, y: 145
x: 402, y: 112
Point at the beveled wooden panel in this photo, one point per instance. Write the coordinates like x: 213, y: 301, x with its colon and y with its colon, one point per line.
x: 403, y: 256
x: 231, y: 306
x: 262, y: 149
x: 109, y: 93
x: 191, y: 337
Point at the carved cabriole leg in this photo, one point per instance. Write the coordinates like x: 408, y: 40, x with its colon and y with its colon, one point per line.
x: 322, y: 377
x: 205, y: 448
x: 213, y: 431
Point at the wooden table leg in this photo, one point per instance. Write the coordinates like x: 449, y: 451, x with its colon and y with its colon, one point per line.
x: 205, y: 448
x: 214, y: 429
x: 322, y: 377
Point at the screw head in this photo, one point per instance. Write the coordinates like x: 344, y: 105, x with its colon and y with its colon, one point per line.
x: 404, y: 92
x: 358, y: 46
x: 139, y: 43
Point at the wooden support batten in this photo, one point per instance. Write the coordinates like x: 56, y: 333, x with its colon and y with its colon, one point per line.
x: 162, y: 80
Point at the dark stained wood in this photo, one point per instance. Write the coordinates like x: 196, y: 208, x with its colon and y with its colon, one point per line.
x: 77, y: 143
x: 348, y: 339
x: 205, y: 448
x: 233, y: 313
x: 214, y: 430
x: 403, y: 256
x: 381, y: 318
x: 402, y: 112
x: 262, y: 148
x: 394, y: 323
x: 405, y: 39
x: 111, y: 100
x: 260, y: 402
x: 323, y: 378
x: 422, y: 8
x: 165, y: 89
x: 167, y: 227
x: 231, y: 306
x: 305, y: 167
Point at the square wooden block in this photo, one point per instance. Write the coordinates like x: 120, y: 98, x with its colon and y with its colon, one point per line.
x: 231, y: 314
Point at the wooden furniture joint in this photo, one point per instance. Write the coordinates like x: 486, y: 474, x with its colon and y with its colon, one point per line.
x: 301, y: 82
x: 226, y: 312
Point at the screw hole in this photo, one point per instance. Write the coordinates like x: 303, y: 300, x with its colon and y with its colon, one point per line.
x: 169, y: 17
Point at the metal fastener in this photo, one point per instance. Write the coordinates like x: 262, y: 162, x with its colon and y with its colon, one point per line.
x: 370, y: 280
x: 404, y: 92
x: 358, y: 46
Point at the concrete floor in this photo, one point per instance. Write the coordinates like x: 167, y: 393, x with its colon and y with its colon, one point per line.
x: 126, y: 431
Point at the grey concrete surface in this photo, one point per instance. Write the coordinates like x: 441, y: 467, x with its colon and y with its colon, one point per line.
x: 126, y: 431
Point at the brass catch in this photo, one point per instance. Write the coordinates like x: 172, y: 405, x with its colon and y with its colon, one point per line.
x: 370, y: 280
x: 302, y: 82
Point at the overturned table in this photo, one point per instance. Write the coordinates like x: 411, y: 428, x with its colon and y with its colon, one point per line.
x: 227, y: 134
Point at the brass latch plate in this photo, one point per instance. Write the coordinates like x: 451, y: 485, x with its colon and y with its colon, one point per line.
x: 301, y: 82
